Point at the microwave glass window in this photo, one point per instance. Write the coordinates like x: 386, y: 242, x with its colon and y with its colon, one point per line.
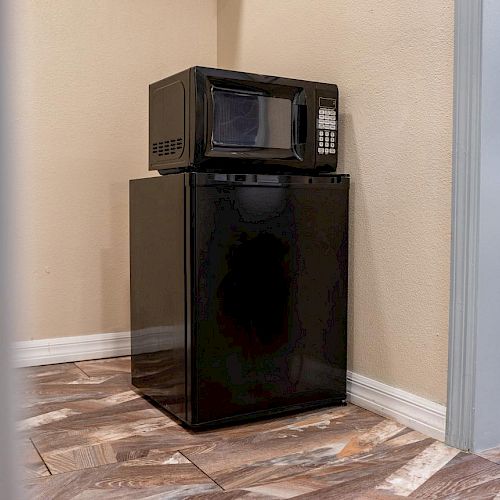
x: 250, y: 120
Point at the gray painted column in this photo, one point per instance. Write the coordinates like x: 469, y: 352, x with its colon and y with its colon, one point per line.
x: 9, y: 478
x: 487, y: 400
x: 465, y: 224
x: 473, y: 420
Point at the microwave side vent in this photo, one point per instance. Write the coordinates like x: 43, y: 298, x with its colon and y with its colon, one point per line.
x: 167, y: 147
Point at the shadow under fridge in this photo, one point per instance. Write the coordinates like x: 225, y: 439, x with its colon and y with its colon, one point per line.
x: 239, y: 293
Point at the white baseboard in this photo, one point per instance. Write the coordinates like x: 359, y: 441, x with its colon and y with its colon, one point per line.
x: 67, y: 349
x: 413, y: 411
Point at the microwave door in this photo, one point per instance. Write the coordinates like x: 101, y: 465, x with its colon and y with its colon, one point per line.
x: 248, y: 124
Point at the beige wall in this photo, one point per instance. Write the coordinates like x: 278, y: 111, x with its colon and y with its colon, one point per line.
x: 83, y: 67
x: 81, y: 92
x: 393, y: 62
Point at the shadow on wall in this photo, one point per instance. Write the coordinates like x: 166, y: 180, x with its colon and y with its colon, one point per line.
x: 360, y: 256
x: 115, y: 282
x: 227, y: 47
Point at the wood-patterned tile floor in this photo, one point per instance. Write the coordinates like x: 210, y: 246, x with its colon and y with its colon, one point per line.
x: 87, y: 435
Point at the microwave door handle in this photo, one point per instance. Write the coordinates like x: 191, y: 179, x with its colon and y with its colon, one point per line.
x: 300, y: 116
x: 299, y: 125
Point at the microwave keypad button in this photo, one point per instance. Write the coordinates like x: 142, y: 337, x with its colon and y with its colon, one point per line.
x: 320, y: 144
x: 332, y: 151
x: 321, y: 151
x: 320, y: 133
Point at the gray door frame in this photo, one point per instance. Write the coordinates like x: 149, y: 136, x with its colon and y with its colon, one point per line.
x: 474, y: 343
x: 465, y: 224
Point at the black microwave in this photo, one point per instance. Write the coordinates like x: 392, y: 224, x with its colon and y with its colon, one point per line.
x: 206, y: 119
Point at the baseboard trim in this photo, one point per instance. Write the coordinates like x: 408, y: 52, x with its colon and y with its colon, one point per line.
x: 413, y: 411
x: 68, y: 349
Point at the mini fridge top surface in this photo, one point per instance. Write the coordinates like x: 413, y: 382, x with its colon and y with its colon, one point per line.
x: 239, y: 293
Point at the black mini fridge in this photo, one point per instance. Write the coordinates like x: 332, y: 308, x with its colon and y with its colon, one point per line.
x: 239, y: 293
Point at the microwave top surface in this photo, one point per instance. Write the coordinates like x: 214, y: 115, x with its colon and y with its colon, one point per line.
x: 240, y: 76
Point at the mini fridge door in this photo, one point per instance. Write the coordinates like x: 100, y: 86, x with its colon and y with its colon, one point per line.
x: 268, y: 293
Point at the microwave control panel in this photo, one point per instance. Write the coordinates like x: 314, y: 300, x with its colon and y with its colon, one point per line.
x: 326, y: 130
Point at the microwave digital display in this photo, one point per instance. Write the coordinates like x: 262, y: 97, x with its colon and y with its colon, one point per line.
x: 251, y: 120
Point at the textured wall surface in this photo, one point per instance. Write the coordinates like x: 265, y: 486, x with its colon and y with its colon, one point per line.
x: 81, y: 91
x: 393, y: 62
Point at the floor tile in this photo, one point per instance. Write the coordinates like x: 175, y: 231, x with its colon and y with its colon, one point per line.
x: 492, y: 454
x: 460, y: 477
x: 418, y: 470
x: 159, y: 475
x: 110, y: 366
x: 87, y: 434
x: 232, y: 495
x: 32, y: 464
x: 90, y: 445
x: 328, y: 429
x: 311, y: 471
x: 49, y: 373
